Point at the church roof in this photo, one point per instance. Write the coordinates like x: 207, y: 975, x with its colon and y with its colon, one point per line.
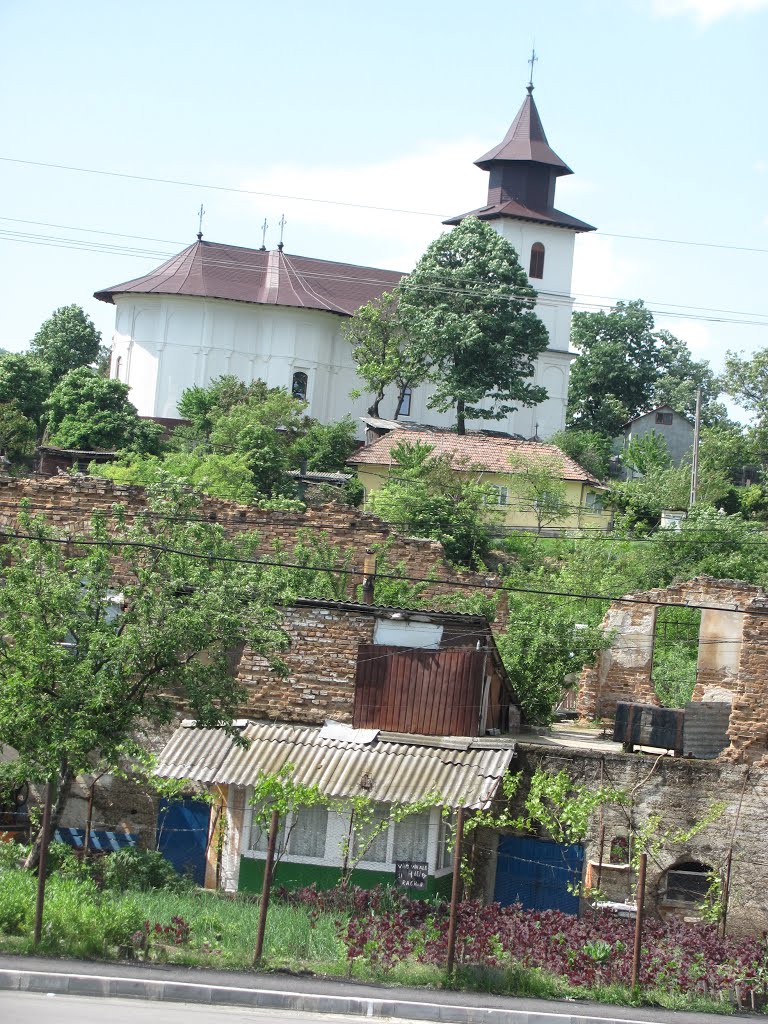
x: 215, y: 271
x: 525, y: 140
x: 511, y: 208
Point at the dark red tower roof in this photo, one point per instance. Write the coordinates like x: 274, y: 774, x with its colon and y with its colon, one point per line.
x: 523, y: 170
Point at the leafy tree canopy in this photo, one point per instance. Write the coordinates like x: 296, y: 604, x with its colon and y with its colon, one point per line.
x: 467, y: 308
x: 325, y: 446
x: 17, y: 432
x: 90, y: 412
x: 540, y: 489
x: 383, y: 352
x: 426, y: 497
x: 25, y: 379
x: 86, y: 668
x: 625, y: 368
x: 589, y: 448
x: 67, y: 340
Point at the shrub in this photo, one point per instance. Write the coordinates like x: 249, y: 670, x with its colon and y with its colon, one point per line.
x: 131, y: 868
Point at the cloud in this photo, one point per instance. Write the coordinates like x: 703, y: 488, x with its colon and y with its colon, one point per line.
x: 707, y: 11
x: 600, y: 273
x: 418, y: 191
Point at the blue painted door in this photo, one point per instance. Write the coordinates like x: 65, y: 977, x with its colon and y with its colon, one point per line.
x: 537, y: 873
x: 182, y: 835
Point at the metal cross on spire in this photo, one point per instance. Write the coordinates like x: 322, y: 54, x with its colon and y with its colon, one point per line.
x: 532, y: 60
x: 283, y: 222
x: 264, y: 227
x: 200, y: 215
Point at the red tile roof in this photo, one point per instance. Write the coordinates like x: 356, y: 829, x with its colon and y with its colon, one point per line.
x: 489, y: 452
x: 215, y: 271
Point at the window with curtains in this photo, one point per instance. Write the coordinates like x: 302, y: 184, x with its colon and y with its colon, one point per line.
x: 304, y: 830
x: 411, y: 837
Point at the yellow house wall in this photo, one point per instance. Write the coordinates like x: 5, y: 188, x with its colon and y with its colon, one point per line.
x: 517, y: 512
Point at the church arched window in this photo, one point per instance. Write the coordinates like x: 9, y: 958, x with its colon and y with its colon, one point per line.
x: 537, y: 260
x: 299, y: 385
x: 118, y: 363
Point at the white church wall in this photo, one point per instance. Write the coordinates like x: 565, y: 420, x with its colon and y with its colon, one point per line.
x: 165, y: 344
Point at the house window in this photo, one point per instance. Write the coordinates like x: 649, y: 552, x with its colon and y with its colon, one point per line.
x: 444, y: 849
x: 308, y: 831
x: 537, y: 260
x: 687, y: 883
x: 405, y: 405
x: 664, y: 418
x: 497, y: 495
x: 593, y: 502
x: 410, y: 842
x: 299, y: 385
x: 304, y: 831
x: 376, y: 850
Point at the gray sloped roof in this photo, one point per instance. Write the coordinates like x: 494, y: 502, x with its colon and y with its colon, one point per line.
x: 465, y: 772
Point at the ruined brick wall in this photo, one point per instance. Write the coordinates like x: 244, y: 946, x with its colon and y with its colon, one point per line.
x: 748, y: 725
x: 682, y: 792
x: 68, y: 503
x: 623, y: 671
x: 321, y: 664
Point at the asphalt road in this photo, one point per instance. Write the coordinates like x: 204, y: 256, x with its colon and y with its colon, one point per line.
x: 32, y: 1008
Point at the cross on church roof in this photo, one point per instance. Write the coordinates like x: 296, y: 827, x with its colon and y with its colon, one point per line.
x: 532, y: 60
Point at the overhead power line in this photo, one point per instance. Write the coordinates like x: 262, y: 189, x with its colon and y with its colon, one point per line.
x: 304, y: 277
x: 338, y: 202
x: 347, y: 571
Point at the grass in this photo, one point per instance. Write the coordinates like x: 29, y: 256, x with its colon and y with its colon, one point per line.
x: 83, y: 922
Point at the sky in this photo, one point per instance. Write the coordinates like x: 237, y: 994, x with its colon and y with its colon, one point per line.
x: 360, y: 124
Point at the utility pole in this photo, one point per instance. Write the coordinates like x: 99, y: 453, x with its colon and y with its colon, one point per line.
x: 695, y: 460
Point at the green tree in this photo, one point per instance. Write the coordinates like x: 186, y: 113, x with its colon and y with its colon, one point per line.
x: 221, y: 476
x: 625, y: 368
x: 426, y: 496
x: 746, y: 381
x: 680, y: 376
x: 383, y: 352
x: 25, y: 379
x: 83, y: 668
x: 67, y: 340
x: 325, y: 447
x: 546, y: 640
x: 647, y: 452
x: 87, y: 411
x: 17, y: 432
x: 469, y: 311
x: 589, y: 448
x: 538, y: 485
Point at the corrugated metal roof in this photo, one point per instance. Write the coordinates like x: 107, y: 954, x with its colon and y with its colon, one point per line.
x: 400, y: 771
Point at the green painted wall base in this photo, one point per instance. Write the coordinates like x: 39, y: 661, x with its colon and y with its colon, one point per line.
x: 295, y: 876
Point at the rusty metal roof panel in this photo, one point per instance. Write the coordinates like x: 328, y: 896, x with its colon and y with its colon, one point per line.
x: 392, y: 771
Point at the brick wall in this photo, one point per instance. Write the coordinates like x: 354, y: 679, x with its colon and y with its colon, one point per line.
x: 68, y: 503
x: 321, y: 665
x: 732, y: 661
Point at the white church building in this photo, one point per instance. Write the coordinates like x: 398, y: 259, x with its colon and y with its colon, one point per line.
x: 218, y: 309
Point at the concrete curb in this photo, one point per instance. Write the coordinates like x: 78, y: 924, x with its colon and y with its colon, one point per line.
x: 267, y: 999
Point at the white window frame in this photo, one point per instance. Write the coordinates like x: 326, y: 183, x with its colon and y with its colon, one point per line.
x: 501, y: 493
